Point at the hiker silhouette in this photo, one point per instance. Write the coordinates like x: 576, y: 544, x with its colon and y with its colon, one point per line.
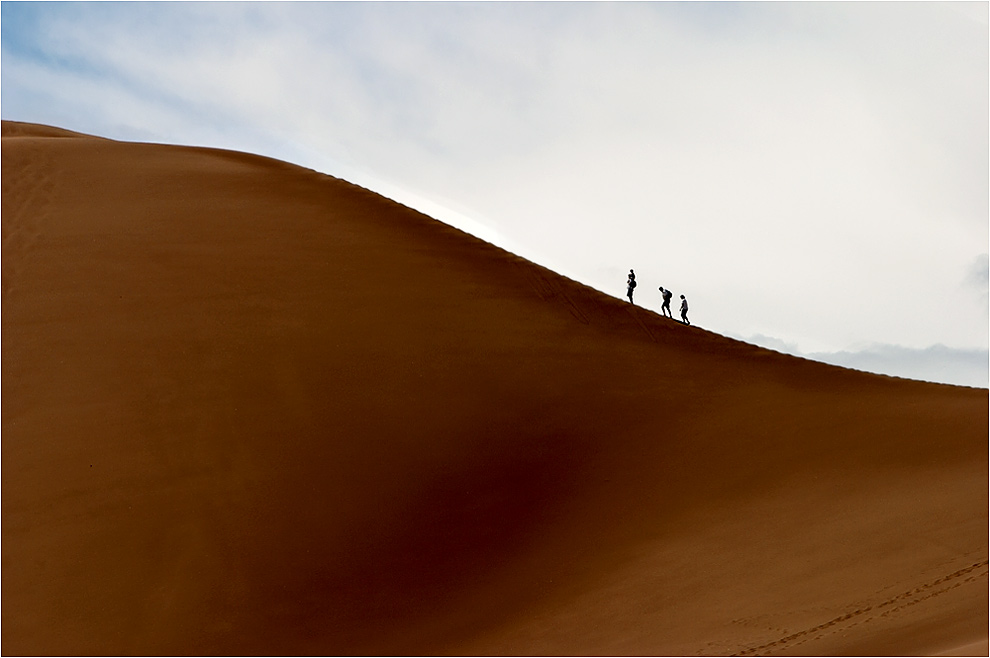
x: 684, y: 309
x: 665, y: 309
x: 630, y: 285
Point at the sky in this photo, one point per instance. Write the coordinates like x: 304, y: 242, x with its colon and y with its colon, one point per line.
x: 814, y: 177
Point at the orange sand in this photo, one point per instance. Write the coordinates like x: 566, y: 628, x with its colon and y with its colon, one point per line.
x: 252, y: 409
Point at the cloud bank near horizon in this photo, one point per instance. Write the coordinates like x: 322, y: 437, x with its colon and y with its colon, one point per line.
x: 816, y: 172
x: 937, y: 363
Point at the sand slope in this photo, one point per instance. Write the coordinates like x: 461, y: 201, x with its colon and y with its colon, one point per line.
x: 252, y: 409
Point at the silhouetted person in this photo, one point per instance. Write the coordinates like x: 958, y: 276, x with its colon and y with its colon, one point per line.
x: 630, y: 285
x: 665, y: 309
x: 684, y: 309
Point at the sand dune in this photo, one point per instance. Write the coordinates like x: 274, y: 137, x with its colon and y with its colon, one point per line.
x: 253, y: 409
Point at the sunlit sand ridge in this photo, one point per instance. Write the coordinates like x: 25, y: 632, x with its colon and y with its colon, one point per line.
x: 252, y: 409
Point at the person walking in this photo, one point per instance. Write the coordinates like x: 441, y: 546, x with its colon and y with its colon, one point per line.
x: 684, y: 309
x: 630, y: 285
x: 665, y: 309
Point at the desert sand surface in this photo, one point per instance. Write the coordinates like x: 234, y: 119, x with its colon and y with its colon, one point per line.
x: 253, y: 409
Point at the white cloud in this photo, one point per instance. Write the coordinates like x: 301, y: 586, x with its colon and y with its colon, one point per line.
x: 977, y: 280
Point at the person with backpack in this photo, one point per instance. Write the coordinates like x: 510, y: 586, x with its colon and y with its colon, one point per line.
x: 630, y: 285
x: 665, y: 309
x: 684, y: 309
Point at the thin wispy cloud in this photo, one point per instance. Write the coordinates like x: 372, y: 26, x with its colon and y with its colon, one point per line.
x: 815, y: 172
x: 978, y: 280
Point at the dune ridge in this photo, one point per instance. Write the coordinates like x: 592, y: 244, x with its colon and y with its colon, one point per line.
x: 250, y: 408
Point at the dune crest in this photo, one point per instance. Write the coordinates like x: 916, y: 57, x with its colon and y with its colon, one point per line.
x: 253, y: 409
x: 22, y: 129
